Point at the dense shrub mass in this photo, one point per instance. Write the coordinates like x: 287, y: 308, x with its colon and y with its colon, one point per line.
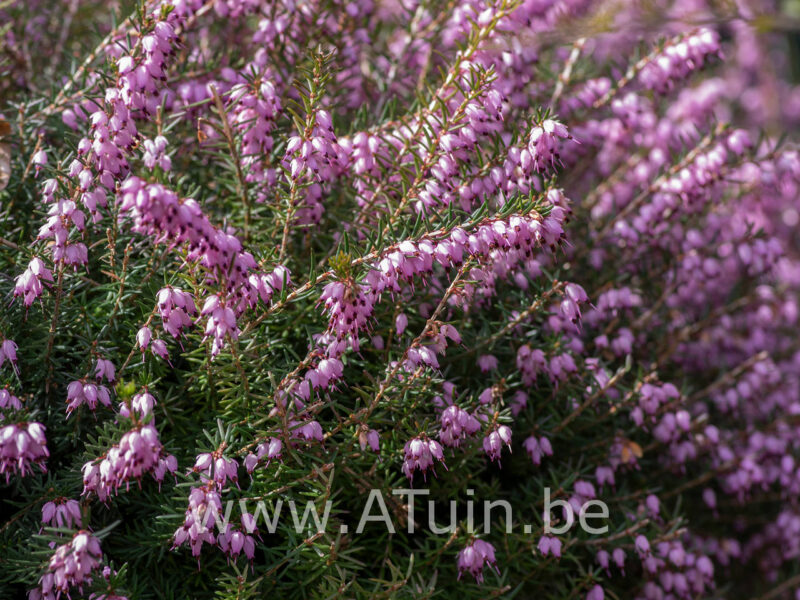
x: 256, y: 253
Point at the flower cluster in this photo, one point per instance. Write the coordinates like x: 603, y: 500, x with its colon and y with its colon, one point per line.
x: 29, y: 282
x: 420, y: 454
x: 158, y: 211
x: 8, y: 401
x: 679, y: 58
x: 86, y: 393
x: 493, y: 443
x: 62, y: 512
x: 176, y: 309
x: 22, y: 445
x: 70, y: 566
x: 457, y: 424
x: 270, y: 451
x: 475, y: 557
x: 204, y: 509
x: 139, y: 451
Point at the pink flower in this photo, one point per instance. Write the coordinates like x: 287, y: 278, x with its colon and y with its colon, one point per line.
x: 177, y: 310
x: 143, y: 337
x: 487, y: 363
x: 138, y: 452
x: 401, y: 322
x: 537, y: 448
x: 457, y: 424
x: 62, y: 512
x: 642, y: 546
x: 81, y: 392
x: 543, y: 144
x: 8, y: 401
x: 39, y: 160
x: 596, y: 593
x: 216, y: 469
x: 420, y: 454
x: 29, y: 282
x: 602, y: 559
x: 202, y: 514
x: 493, y: 443
x: 159, y: 348
x: 233, y: 542
x: 8, y: 351
x: 604, y: 475
x: 550, y: 545
x: 474, y: 557
x: 518, y: 402
x: 21, y: 446
x: 105, y: 369
x: 155, y: 153
x: 618, y: 556
x: 307, y: 431
x: 369, y: 438
x: 71, y: 565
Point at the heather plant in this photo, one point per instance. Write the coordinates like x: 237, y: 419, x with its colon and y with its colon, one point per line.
x: 399, y: 299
